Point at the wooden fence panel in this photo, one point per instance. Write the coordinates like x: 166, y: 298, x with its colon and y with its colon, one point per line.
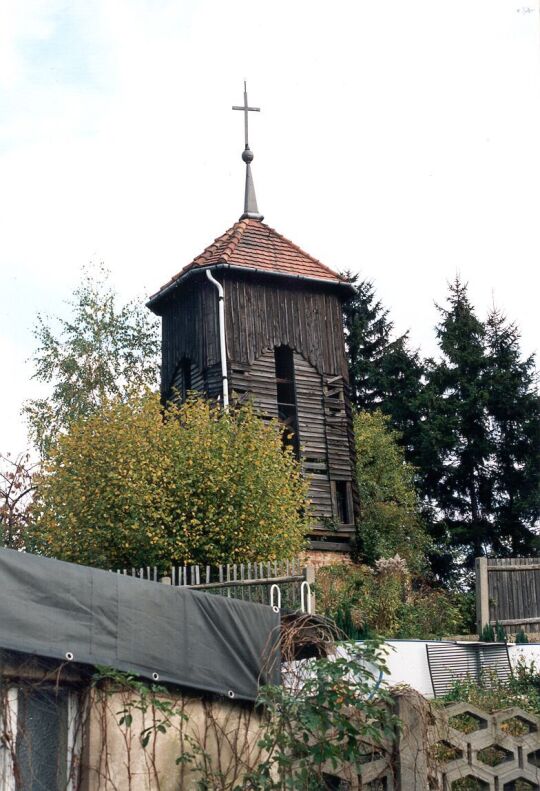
x: 508, y: 593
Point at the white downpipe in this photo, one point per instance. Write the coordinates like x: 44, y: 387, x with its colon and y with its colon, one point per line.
x: 222, y: 344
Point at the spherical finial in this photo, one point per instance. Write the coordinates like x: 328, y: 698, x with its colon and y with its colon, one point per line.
x: 247, y: 155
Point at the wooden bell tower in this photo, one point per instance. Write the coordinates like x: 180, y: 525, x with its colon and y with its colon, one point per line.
x: 256, y: 317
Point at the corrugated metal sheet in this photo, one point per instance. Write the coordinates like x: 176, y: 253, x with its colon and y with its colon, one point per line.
x: 449, y: 662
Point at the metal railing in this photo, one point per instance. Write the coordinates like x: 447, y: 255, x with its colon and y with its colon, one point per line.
x: 255, y: 582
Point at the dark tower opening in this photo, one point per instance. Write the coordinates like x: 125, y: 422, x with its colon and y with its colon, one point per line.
x: 182, y: 381
x: 343, y: 502
x: 186, y: 377
x: 286, y: 396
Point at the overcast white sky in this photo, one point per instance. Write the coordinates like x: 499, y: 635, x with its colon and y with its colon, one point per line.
x: 397, y: 138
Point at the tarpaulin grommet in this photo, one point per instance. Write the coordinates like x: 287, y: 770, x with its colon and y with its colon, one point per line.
x: 230, y: 693
x: 155, y: 676
x: 69, y: 656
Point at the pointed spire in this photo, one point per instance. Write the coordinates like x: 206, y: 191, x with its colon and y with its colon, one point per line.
x: 250, y: 201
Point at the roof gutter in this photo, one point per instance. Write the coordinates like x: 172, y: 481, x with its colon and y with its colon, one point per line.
x: 254, y: 269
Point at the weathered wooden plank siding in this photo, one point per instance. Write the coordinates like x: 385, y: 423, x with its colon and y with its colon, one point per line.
x: 190, y: 329
x: 312, y: 435
x: 352, y: 450
x: 514, y: 593
x: 337, y: 434
x: 260, y: 315
x: 256, y: 381
x: 311, y: 424
x: 213, y: 386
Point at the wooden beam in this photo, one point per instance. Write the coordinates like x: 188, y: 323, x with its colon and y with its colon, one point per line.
x: 515, y: 621
x: 482, y: 594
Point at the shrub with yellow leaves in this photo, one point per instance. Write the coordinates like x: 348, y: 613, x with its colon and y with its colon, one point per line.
x: 137, y: 485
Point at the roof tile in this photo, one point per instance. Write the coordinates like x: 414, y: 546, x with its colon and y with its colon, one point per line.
x: 251, y: 243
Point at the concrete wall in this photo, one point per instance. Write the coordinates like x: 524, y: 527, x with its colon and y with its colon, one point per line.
x: 408, y: 663
x: 222, y: 735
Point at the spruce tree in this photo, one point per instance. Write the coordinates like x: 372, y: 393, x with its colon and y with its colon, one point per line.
x: 384, y: 373
x: 457, y: 446
x: 514, y: 414
x: 401, y: 376
x: 470, y: 423
x: 368, y: 330
x: 479, y: 454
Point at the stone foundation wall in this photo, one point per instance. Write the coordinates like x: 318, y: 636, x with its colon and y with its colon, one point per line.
x: 318, y: 558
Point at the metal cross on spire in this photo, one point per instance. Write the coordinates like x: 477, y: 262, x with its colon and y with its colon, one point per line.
x: 246, y: 109
x: 250, y: 201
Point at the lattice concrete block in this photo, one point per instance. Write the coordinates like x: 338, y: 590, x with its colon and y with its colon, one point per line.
x: 377, y: 771
x: 444, y: 752
x: 494, y: 755
x: 484, y: 736
x: 518, y: 725
x: 533, y: 757
x: 482, y: 720
x: 440, y: 730
x: 503, y: 749
x: 508, y: 780
x: 466, y: 771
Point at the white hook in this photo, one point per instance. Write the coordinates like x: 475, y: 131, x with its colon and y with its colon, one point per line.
x: 275, y: 607
x: 305, y: 586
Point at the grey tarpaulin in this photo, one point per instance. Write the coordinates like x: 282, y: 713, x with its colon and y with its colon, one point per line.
x: 211, y: 643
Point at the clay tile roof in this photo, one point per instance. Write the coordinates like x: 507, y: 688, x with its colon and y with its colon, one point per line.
x: 253, y: 244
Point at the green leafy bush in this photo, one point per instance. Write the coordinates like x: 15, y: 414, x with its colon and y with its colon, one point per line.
x: 429, y: 613
x: 492, y: 694
x: 338, y: 717
x: 390, y: 520
x: 132, y: 485
x: 493, y: 634
x: 385, y: 601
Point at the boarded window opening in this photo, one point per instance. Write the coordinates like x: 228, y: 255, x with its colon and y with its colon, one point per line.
x: 335, y: 401
x: 286, y: 396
